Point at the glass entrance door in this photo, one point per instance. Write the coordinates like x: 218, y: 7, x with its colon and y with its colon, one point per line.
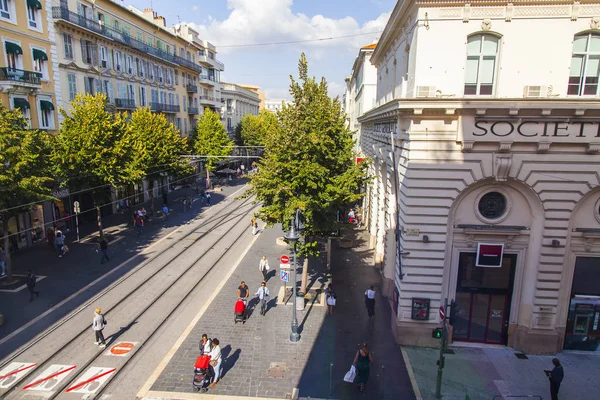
x: 483, y: 300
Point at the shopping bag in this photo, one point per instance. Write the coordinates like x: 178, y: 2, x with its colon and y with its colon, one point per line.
x: 65, y: 249
x: 331, y: 301
x: 350, y: 375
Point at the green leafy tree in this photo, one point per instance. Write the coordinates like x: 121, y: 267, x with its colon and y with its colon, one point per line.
x: 158, y: 147
x: 237, y: 135
x: 255, y: 128
x: 211, y: 139
x: 25, y: 171
x: 309, y: 164
x: 94, y: 150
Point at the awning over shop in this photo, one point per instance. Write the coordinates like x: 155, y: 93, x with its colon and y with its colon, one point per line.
x: 21, y: 103
x: 46, y: 105
x: 39, y: 55
x: 13, y: 48
x: 34, y: 4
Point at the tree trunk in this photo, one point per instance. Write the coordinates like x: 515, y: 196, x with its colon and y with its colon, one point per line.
x: 304, y: 282
x: 207, y: 178
x: 151, y: 193
x: 7, y: 247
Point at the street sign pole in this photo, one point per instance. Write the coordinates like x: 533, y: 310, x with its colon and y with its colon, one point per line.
x: 443, y: 345
x: 77, y: 209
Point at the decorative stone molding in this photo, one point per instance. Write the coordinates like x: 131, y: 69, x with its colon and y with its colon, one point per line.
x: 513, y: 111
x: 595, y: 23
x: 580, y: 112
x: 471, y: 240
x: 467, y: 146
x: 543, y: 147
x: 466, y: 12
x: 575, y: 11
x: 502, y: 166
x: 480, y: 111
x: 593, y: 148
x: 510, y: 9
x: 589, y: 242
x: 504, y: 147
x: 450, y: 111
x: 508, y: 242
x: 418, y: 111
x: 486, y: 24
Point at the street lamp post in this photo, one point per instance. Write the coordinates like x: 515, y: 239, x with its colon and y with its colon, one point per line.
x: 292, y: 237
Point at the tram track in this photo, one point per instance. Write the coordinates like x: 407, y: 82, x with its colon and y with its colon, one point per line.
x: 220, y: 218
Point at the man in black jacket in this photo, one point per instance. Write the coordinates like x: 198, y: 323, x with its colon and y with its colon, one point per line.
x: 555, y: 376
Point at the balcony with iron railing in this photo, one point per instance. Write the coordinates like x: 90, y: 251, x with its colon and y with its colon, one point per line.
x: 64, y: 14
x: 207, y: 79
x: 19, y: 76
x: 127, y: 104
x: 192, y: 88
x: 165, y: 108
x: 193, y: 110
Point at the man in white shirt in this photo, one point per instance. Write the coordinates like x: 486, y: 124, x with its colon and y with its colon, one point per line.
x: 370, y: 301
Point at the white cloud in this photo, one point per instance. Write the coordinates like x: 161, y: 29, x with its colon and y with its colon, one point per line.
x: 336, y: 89
x: 267, y: 21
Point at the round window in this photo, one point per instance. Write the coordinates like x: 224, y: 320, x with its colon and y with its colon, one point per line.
x: 492, y: 205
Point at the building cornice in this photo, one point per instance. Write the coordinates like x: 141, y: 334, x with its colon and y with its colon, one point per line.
x: 449, y: 107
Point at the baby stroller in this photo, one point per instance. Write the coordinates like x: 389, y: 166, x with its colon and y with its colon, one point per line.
x: 202, y: 374
x: 240, y: 311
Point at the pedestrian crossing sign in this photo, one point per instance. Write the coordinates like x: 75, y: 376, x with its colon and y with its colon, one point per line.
x: 284, y: 275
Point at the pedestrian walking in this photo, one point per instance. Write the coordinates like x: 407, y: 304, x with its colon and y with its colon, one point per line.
x: 370, y: 301
x: 59, y: 243
x: 555, y: 376
x: 205, y: 344
x: 263, y: 266
x: 215, y: 361
x: 184, y: 204
x: 189, y: 202
x: 98, y: 324
x: 254, y: 225
x: 362, y: 362
x: 139, y: 224
x: 243, y: 168
x: 208, y: 199
x: 2, y: 261
x: 165, y: 211
x: 31, y: 282
x: 263, y: 297
x: 103, y: 248
x: 330, y: 298
x: 243, y: 292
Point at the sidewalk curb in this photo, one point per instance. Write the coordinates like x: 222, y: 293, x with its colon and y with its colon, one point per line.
x: 411, y: 375
x: 195, y: 396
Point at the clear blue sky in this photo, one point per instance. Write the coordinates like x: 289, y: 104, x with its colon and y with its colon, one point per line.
x: 241, y: 22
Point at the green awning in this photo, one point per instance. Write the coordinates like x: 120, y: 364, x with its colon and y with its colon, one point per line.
x: 46, y: 105
x: 21, y: 103
x: 34, y: 4
x: 39, y: 55
x: 13, y: 48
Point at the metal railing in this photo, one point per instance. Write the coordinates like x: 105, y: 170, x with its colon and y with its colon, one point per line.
x: 208, y: 78
x: 125, y: 103
x: 192, y: 88
x: 120, y: 37
x: 209, y: 98
x: 162, y: 107
x: 20, y: 76
x: 192, y: 110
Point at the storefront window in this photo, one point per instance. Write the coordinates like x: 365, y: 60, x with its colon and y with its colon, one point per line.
x: 583, y: 328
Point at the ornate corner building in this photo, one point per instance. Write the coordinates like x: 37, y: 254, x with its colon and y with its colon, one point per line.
x: 494, y: 114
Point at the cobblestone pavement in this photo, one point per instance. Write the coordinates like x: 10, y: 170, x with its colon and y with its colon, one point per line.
x: 81, y: 266
x: 316, y: 365
x: 482, y: 373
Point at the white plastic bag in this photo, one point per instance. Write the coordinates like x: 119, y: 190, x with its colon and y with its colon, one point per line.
x: 331, y: 301
x: 350, y: 375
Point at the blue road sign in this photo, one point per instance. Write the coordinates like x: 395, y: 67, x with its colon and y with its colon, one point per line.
x: 284, y: 275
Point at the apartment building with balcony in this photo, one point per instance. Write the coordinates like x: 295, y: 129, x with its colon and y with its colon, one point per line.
x: 238, y: 101
x: 29, y: 74
x: 129, y: 55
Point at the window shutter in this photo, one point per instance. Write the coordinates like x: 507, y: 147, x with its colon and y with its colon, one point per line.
x: 84, y: 53
x: 111, y: 93
x: 86, y: 82
x: 97, y: 85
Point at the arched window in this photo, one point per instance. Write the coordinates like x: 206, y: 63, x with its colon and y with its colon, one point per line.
x: 482, y: 54
x: 585, y: 65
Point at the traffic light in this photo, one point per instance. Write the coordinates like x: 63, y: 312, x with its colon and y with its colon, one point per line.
x: 436, y: 333
x: 453, y: 310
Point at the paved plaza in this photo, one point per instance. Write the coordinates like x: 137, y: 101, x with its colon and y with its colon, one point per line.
x: 484, y: 373
x: 260, y: 361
